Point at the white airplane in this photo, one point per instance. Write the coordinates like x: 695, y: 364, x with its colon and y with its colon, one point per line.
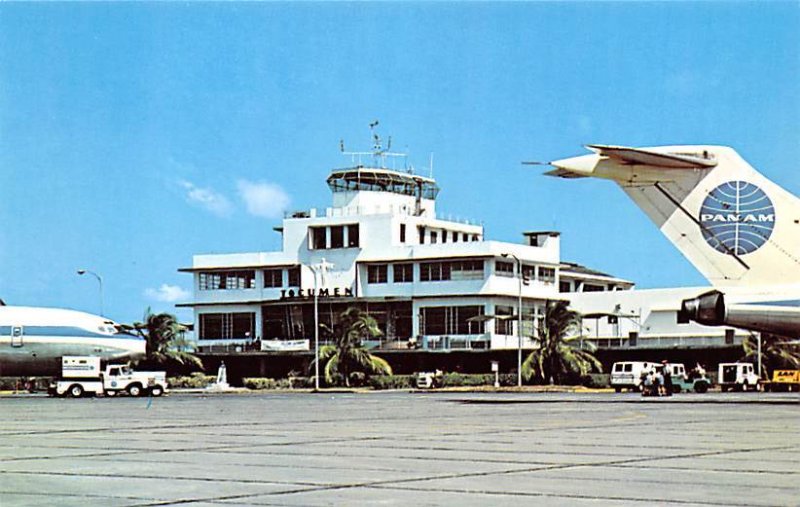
x: 739, y: 229
x: 33, y: 340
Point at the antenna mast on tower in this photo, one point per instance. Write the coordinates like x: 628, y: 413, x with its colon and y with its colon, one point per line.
x: 379, y: 154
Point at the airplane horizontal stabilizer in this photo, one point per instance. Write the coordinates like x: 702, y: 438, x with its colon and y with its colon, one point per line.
x: 564, y: 173
x: 651, y: 158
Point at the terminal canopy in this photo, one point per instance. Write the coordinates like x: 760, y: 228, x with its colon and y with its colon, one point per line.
x: 382, y: 180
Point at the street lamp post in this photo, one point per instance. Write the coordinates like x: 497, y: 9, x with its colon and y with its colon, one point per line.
x: 318, y: 270
x: 759, y: 355
x: 100, y: 281
x: 519, y: 316
x: 316, y: 327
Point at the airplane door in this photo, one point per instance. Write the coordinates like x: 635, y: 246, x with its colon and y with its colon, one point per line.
x: 16, y: 336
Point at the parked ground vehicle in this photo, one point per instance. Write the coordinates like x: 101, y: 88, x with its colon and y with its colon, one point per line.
x: 683, y: 381
x: 83, y: 375
x: 628, y: 374
x: 429, y: 379
x: 738, y: 376
x: 783, y: 380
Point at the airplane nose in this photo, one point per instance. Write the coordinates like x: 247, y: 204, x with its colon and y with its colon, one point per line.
x: 582, y: 166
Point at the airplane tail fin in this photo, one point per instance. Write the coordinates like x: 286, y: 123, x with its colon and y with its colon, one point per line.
x: 737, y: 227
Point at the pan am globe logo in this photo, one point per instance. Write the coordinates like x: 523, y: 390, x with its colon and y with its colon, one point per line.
x: 737, y: 218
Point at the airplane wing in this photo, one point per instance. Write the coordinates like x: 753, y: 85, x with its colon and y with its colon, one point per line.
x: 636, y: 156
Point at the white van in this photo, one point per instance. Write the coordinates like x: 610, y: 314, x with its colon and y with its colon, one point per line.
x: 628, y: 374
x: 738, y: 376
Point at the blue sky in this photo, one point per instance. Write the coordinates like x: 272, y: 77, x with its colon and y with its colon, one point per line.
x: 135, y: 135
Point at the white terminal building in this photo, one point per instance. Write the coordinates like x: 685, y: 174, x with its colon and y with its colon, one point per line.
x: 431, y: 283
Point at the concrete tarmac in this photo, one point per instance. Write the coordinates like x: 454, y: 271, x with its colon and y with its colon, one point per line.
x: 400, y: 448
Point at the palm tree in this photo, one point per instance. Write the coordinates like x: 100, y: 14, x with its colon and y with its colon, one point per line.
x: 776, y: 352
x: 558, y: 354
x: 347, y: 355
x: 166, y: 341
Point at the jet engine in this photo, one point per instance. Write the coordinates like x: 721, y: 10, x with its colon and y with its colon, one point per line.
x: 711, y: 309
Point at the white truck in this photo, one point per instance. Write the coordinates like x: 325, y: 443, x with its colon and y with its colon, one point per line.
x: 738, y: 376
x: 83, y: 375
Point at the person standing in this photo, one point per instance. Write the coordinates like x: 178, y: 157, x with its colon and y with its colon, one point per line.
x: 667, y: 373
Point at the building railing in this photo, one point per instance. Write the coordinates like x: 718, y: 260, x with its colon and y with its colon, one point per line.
x: 652, y: 342
x: 456, y: 342
x: 350, y: 211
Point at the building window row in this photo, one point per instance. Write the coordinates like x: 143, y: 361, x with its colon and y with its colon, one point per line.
x: 547, y: 275
x: 273, y: 278
x: 246, y: 279
x: 377, y: 273
x: 403, y: 273
x: 227, y: 326
x: 227, y: 280
x: 436, y: 271
x: 451, y: 320
x: 334, y: 236
x: 451, y: 270
x: 577, y: 286
x: 503, y: 268
x: 439, y: 235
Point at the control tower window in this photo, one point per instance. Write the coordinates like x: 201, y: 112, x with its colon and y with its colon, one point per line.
x: 421, y: 235
x: 434, y: 237
x: 465, y: 237
x: 352, y: 236
x: 337, y: 236
x: 444, y: 236
x: 402, y: 233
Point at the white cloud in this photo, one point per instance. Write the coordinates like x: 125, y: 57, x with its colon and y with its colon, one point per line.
x: 207, y: 198
x: 168, y: 293
x: 263, y: 199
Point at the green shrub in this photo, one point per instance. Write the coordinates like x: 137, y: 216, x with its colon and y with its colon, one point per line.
x: 596, y: 380
x: 194, y: 381
x: 259, y: 383
x: 381, y: 382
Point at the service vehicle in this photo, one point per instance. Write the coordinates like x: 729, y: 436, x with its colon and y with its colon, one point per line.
x: 783, y: 380
x: 429, y: 379
x: 83, y: 375
x: 629, y: 374
x: 738, y: 376
x: 681, y: 381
